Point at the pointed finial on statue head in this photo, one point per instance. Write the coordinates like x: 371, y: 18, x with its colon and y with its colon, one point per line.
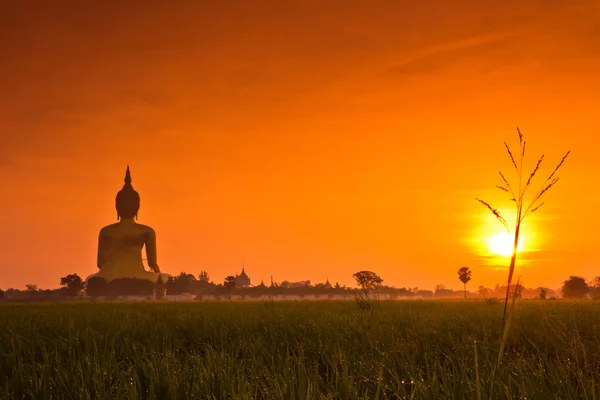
x: 127, y: 176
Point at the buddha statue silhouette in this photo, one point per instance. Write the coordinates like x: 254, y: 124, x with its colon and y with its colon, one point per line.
x: 120, y: 245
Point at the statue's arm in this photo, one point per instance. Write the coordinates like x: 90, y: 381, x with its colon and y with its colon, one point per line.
x: 150, y: 243
x: 104, y: 243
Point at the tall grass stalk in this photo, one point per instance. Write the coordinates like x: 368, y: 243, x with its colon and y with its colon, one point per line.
x: 504, y: 338
x: 524, y: 209
x: 477, y: 383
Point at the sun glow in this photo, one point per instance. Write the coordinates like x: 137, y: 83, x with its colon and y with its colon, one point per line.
x: 502, y: 244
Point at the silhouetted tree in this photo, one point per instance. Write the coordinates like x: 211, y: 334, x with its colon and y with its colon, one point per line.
x: 464, y: 275
x: 575, y: 288
x: 219, y: 290
x: 182, y: 283
x: 31, y: 287
x: 203, y: 284
x: 203, y: 276
x: 1, y: 294
x: 441, y: 291
x: 426, y: 294
x: 595, y: 288
x: 543, y: 293
x: 73, y: 284
x: 229, y: 282
x: 367, y: 279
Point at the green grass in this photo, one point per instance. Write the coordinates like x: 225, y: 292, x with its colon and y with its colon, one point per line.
x: 297, y: 350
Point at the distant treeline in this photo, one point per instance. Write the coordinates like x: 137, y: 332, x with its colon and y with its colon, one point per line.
x: 574, y: 287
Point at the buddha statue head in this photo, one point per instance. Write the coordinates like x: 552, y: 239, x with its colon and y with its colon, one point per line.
x: 128, y: 200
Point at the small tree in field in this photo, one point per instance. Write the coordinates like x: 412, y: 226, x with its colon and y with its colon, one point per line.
x: 464, y: 275
x: 73, y: 284
x: 367, y: 279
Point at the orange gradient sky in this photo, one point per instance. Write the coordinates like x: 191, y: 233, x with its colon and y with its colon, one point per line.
x: 311, y: 139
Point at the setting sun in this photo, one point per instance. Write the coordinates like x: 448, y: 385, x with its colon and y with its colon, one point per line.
x: 502, y: 244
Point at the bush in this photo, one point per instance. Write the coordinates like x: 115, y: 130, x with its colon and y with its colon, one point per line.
x: 575, y: 288
x: 97, y: 286
x: 131, y: 287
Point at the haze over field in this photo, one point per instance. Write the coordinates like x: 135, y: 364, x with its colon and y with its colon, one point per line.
x: 310, y: 140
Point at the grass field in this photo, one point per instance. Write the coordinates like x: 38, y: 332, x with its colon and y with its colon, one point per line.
x: 297, y: 350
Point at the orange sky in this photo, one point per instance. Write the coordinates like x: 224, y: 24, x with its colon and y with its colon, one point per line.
x: 311, y: 139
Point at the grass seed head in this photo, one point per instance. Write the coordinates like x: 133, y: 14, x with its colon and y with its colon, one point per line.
x: 511, y: 156
x: 537, y: 167
x: 496, y: 213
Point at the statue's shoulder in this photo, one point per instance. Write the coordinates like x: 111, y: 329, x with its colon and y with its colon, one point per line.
x: 108, y: 229
x: 146, y: 229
